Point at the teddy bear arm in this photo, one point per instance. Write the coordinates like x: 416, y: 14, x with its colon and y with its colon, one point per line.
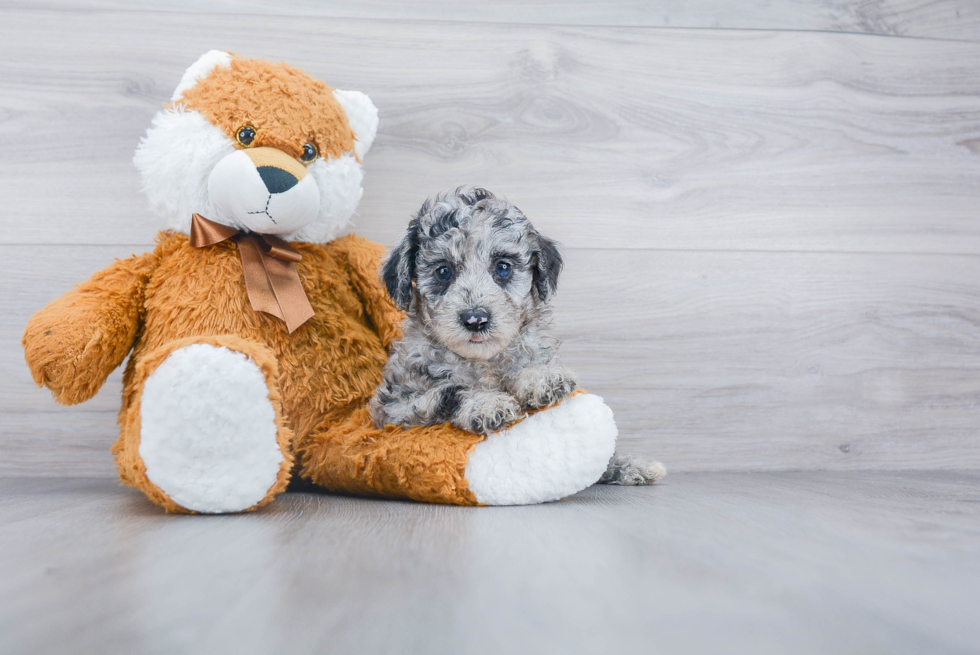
x: 364, y: 259
x: 77, y: 340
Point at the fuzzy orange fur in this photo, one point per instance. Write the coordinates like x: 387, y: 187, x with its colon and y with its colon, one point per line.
x: 327, y: 368
x: 421, y: 463
x: 74, y: 357
x: 300, y: 110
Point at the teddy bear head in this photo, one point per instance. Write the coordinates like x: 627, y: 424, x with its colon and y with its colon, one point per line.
x: 257, y: 146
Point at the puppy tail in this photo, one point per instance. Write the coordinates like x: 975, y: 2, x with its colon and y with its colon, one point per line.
x: 632, y: 470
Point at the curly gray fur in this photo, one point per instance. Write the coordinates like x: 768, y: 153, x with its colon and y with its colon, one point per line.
x: 469, y: 251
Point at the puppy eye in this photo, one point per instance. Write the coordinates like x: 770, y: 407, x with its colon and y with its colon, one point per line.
x: 502, y: 269
x: 246, y: 135
x: 444, y: 273
x: 309, y: 153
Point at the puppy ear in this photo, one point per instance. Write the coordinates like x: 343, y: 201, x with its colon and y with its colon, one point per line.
x: 398, y: 270
x: 547, y: 267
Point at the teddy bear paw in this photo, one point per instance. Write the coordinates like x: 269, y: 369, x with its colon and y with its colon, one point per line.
x: 208, y: 433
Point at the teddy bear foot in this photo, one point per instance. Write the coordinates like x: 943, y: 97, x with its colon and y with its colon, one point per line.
x: 208, y: 433
x: 549, y: 455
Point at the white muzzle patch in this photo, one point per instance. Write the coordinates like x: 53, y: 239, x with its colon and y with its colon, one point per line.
x: 265, y: 198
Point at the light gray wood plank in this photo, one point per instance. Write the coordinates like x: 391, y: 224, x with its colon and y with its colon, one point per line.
x: 711, y: 361
x: 59, y: 443
x: 774, y: 361
x: 667, y: 139
x: 773, y: 563
x: 948, y: 19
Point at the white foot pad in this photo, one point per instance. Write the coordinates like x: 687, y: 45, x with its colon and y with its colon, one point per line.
x: 547, y: 456
x: 208, y: 431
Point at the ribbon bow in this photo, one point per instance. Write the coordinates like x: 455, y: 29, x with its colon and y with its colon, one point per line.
x: 269, y: 266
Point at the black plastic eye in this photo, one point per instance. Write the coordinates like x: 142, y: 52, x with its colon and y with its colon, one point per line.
x: 246, y: 135
x: 502, y: 269
x: 444, y: 273
x: 309, y: 153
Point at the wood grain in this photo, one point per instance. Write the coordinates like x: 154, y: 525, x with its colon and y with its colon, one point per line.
x: 607, y: 137
x: 773, y: 563
x: 772, y: 236
x: 711, y: 360
x: 773, y: 263
x: 945, y: 19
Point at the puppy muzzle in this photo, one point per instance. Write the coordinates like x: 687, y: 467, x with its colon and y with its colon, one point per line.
x: 264, y: 189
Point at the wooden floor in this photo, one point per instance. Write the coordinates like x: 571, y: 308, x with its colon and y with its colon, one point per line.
x: 843, y: 562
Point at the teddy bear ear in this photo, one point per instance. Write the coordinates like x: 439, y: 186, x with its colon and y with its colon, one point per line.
x: 362, y: 116
x: 200, y: 68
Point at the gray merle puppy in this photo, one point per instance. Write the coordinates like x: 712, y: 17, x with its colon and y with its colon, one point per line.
x: 475, y: 278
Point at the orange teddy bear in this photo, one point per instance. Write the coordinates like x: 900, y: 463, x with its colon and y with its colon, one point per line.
x: 257, y: 335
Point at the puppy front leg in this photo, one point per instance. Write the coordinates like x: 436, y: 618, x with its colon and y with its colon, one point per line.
x: 484, y: 412
x: 429, y: 407
x: 541, y: 385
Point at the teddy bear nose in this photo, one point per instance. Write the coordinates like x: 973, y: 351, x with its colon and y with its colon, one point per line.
x: 276, y: 179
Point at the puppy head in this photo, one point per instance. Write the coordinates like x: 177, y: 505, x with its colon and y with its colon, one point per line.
x: 474, y: 270
x: 257, y: 146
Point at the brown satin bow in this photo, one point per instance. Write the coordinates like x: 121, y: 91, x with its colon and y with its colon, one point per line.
x: 269, y: 266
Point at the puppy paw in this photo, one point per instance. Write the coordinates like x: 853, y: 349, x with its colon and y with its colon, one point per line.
x: 538, y: 387
x: 485, y: 411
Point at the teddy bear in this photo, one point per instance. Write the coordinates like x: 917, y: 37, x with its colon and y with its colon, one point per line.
x: 256, y: 332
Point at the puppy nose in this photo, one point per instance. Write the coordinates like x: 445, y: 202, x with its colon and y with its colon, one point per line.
x: 277, y: 180
x: 475, y: 320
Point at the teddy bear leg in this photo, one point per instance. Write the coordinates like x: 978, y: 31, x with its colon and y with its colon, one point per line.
x: 203, y: 430
x: 551, y: 454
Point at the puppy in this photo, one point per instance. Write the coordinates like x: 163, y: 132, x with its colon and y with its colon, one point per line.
x: 475, y: 278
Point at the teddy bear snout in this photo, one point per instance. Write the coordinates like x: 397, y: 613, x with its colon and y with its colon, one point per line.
x: 264, y: 190
x: 278, y: 171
